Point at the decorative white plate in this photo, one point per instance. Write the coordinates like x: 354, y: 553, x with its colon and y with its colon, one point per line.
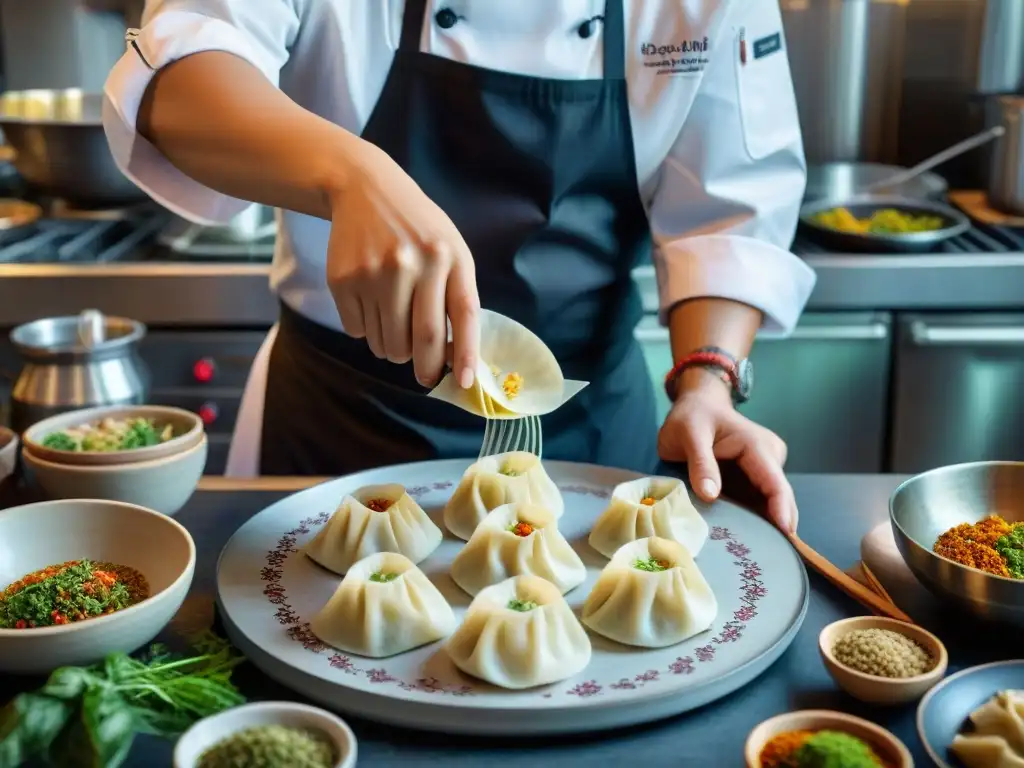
x: 267, y: 591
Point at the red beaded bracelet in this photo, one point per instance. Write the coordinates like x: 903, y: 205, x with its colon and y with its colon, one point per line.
x: 706, y: 359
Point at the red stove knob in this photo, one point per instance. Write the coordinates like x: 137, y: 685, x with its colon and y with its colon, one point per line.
x: 208, y: 413
x: 204, y: 370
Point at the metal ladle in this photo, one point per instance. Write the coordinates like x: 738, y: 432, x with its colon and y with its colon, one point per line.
x: 926, y: 165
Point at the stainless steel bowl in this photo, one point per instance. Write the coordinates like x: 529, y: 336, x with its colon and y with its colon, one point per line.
x: 931, y: 503
x: 954, y: 223
x: 845, y: 180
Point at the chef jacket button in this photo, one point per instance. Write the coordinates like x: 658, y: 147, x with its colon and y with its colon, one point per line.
x: 586, y: 29
x: 446, y: 18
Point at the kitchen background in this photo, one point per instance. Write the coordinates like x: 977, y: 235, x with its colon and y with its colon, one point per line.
x: 902, y: 362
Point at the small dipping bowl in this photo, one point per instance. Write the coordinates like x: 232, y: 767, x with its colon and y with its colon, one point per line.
x: 8, y: 454
x: 212, y: 730
x: 886, y: 745
x: 875, y: 689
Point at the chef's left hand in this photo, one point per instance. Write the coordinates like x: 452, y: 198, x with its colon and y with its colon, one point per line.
x: 703, y: 428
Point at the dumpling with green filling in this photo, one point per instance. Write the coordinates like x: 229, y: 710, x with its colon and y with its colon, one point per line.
x: 496, y: 480
x: 385, y: 605
x: 649, y: 506
x: 520, y: 633
x: 651, y: 595
x: 372, y: 519
x: 517, y: 540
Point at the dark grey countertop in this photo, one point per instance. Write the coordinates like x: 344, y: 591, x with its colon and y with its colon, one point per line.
x: 836, y: 510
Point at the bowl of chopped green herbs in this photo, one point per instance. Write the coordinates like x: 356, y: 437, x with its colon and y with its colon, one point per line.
x: 80, y: 579
x: 271, y: 734
x: 119, y: 434
x: 165, y: 484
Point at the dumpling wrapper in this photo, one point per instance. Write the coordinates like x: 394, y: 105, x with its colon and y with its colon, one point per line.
x: 650, y: 609
x: 520, y: 649
x: 997, y: 740
x: 672, y: 516
x: 355, y: 531
x: 484, y: 487
x: 494, y: 553
x: 378, y: 619
x: 510, y: 348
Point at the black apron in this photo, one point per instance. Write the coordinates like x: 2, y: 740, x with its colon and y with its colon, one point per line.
x: 539, y: 177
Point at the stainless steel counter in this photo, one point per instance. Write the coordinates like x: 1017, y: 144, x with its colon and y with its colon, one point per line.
x: 223, y: 295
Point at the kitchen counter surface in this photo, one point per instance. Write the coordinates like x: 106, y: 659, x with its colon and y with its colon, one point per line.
x: 836, y: 510
x: 238, y: 295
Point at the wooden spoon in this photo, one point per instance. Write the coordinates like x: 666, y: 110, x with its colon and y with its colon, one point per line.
x: 846, y: 583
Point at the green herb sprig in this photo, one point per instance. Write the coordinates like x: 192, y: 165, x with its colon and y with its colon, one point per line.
x: 382, y: 577
x: 522, y: 606
x: 651, y: 565
x: 89, y: 716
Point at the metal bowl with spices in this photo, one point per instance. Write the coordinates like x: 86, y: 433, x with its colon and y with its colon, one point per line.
x: 929, y: 504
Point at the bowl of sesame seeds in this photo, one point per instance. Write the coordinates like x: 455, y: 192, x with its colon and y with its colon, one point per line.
x: 882, y: 661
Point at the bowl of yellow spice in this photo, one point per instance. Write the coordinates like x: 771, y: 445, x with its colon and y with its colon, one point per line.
x: 819, y: 737
x: 881, y: 660
x: 269, y: 734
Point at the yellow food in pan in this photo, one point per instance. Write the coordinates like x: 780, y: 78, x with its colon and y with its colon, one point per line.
x: 885, y: 221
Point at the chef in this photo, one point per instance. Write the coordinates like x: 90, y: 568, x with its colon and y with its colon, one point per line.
x: 432, y: 157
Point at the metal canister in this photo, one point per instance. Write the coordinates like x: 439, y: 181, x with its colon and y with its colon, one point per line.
x: 1006, y: 178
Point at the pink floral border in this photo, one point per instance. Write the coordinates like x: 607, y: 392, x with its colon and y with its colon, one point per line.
x: 752, y: 590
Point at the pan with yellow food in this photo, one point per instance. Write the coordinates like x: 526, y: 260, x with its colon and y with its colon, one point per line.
x: 881, y: 225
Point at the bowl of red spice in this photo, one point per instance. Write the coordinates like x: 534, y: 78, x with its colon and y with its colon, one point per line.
x: 960, y: 530
x: 881, y: 660
x: 80, y: 579
x: 816, y: 737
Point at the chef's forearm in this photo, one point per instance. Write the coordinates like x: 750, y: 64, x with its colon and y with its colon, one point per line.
x: 711, y: 322
x: 220, y: 121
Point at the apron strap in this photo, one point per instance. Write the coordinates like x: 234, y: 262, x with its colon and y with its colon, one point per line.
x: 412, y: 25
x: 614, y: 34
x: 614, y: 41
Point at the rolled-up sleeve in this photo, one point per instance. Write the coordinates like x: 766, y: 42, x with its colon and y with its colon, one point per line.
x: 726, y: 205
x: 259, y: 31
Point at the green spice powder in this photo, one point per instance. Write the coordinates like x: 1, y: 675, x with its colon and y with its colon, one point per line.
x: 833, y: 749
x: 271, y: 746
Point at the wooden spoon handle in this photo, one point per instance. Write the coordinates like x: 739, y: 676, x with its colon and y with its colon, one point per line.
x: 850, y: 586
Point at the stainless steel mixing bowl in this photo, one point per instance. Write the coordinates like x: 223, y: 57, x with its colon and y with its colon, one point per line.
x: 931, y: 503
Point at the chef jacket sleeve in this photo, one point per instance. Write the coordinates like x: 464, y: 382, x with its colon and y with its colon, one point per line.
x: 726, y: 204
x: 259, y: 31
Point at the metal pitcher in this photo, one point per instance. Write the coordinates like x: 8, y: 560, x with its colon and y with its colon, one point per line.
x: 1006, y: 182
x: 76, y: 362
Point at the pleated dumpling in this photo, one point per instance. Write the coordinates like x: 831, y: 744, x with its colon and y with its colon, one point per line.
x: 385, y: 605
x: 519, y: 539
x: 517, y: 374
x: 496, y: 480
x: 650, y: 506
x: 519, y: 634
x: 375, y: 518
x: 650, y: 595
x: 997, y: 738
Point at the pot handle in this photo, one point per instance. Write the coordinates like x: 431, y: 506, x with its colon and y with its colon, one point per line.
x: 90, y: 327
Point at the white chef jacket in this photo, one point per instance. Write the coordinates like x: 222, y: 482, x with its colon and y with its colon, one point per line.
x: 717, y: 142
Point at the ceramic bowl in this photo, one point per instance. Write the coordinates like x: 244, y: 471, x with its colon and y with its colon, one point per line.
x: 887, y: 746
x: 35, y: 536
x: 931, y: 503
x: 882, y: 690
x: 8, y: 454
x: 943, y: 711
x: 188, y: 431
x: 211, y: 730
x: 164, y: 484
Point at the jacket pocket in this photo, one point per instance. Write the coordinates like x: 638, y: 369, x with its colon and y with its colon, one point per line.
x: 767, y: 102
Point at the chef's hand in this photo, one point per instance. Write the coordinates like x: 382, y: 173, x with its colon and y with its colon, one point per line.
x: 397, y: 267
x: 703, y: 427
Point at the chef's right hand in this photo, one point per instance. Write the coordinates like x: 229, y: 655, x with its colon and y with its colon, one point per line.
x: 397, y: 267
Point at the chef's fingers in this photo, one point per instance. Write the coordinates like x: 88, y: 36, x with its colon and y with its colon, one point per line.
x: 395, y: 285
x: 350, y: 310
x: 463, y: 308
x: 429, y: 326
x: 373, y: 328
x: 697, y: 435
x: 759, y: 462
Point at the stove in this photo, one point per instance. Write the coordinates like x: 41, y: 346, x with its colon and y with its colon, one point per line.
x: 980, y: 238
x: 65, y: 235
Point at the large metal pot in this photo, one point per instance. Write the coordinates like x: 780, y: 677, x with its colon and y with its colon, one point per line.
x: 76, y: 362
x: 841, y: 181
x: 60, y: 148
x: 1006, y: 177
